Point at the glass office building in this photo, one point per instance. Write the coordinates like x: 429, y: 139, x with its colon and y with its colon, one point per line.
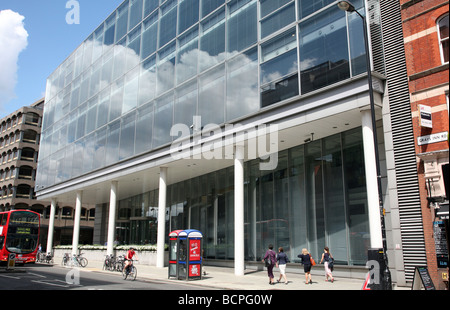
x: 150, y: 66
x: 111, y: 106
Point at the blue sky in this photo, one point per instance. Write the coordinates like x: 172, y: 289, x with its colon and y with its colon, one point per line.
x: 50, y: 41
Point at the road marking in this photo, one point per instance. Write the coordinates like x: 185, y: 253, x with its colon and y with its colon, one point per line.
x: 54, y: 284
x: 37, y: 275
x: 11, y: 277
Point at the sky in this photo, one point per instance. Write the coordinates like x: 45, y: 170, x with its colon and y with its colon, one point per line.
x: 36, y: 36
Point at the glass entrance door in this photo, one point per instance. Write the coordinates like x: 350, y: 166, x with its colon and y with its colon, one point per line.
x: 204, y: 219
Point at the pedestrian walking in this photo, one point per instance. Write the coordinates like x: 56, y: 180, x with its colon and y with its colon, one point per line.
x: 282, y: 260
x: 307, y: 264
x: 269, y: 261
x: 328, y: 261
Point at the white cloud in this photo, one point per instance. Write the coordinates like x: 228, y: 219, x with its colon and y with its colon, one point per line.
x: 13, y: 40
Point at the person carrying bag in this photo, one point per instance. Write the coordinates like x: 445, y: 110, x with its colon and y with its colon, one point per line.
x: 307, y: 264
x: 328, y: 262
x: 269, y: 261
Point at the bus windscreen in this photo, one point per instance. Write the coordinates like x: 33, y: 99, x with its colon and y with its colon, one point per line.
x: 23, y: 232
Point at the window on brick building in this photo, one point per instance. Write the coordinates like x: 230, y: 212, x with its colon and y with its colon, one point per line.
x: 443, y: 38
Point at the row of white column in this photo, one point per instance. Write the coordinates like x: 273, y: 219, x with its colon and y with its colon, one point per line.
x: 239, y: 216
x: 372, y: 192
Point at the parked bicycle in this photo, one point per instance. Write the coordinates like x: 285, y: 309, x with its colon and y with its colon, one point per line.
x: 120, y: 263
x: 79, y: 260
x: 44, y: 258
x: 109, y: 263
x: 130, y: 271
x: 39, y: 257
x: 66, y: 259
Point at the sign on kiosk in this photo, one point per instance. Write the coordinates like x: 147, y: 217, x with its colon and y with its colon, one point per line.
x: 195, y: 271
x: 194, y: 249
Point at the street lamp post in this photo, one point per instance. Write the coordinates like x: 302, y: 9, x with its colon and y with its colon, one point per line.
x: 386, y: 277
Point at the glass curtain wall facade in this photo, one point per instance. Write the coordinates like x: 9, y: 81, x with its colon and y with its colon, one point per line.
x: 316, y: 197
x: 152, y: 64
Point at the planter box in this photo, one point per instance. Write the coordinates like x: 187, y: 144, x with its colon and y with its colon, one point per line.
x: 145, y: 257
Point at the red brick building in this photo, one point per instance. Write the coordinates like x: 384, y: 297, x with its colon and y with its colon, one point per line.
x: 426, y: 37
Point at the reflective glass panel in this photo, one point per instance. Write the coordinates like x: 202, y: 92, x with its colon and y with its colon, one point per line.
x: 210, y: 5
x: 278, y: 20
x: 150, y: 6
x: 135, y: 13
x: 134, y: 48
x: 107, y: 69
x: 355, y: 184
x: 268, y: 6
x: 115, y: 107
x: 91, y: 121
x: 298, y: 219
x: 150, y: 36
x: 324, y: 57
x: 77, y: 161
x: 144, y: 128
x: 187, y: 56
x: 242, y: 25
x: 103, y: 107
x: 110, y: 33
x: 334, y: 198
x: 112, y: 143
x: 163, y: 120
x: 168, y: 23
x: 307, y: 7
x: 242, y: 85
x: 130, y: 98
x: 185, y: 104
x: 127, y: 136
x: 88, y: 159
x: 212, y: 41
x: 188, y: 14
x: 147, y: 81
x: 315, y: 197
x: 356, y: 37
x: 166, y: 69
x: 279, y: 78
x: 122, y: 21
x: 212, y: 96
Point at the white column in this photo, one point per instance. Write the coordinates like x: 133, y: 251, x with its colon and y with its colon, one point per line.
x: 112, y: 218
x: 239, y: 264
x: 161, y: 217
x: 76, y: 223
x: 376, y: 239
x: 51, y: 226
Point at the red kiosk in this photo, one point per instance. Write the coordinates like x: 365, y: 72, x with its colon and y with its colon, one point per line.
x: 185, y: 254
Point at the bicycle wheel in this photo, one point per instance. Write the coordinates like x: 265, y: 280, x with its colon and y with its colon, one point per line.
x: 133, y: 273
x: 125, y: 273
x: 112, y: 265
x: 119, y: 266
x: 83, y: 262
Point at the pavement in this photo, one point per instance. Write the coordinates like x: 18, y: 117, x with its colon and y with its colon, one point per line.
x: 223, y: 278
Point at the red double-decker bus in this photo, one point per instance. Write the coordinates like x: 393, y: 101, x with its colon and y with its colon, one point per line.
x: 19, y: 234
